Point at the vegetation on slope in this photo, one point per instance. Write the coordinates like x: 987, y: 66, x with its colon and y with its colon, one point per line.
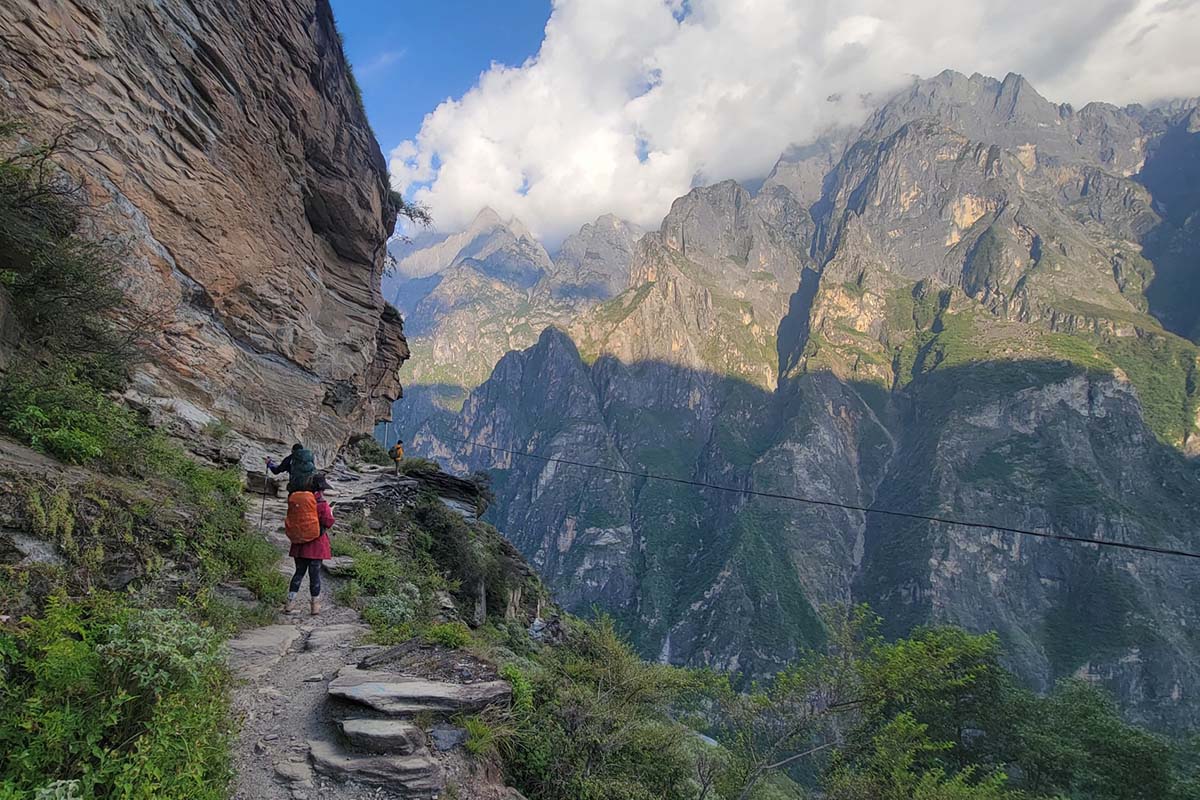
x: 933, y: 715
x: 112, y: 682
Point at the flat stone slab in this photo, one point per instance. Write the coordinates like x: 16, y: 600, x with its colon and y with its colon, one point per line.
x: 252, y: 654
x: 327, y: 637
x: 416, y: 776
x: 401, y: 696
x: 385, y: 736
x: 296, y: 772
x: 339, y: 566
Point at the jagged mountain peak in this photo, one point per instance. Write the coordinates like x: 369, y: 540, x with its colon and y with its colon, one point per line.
x: 593, y: 263
x: 486, y: 217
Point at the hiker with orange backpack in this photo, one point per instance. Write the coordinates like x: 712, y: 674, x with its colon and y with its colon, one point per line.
x: 309, y: 518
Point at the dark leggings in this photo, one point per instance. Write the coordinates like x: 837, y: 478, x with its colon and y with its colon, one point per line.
x: 313, y: 567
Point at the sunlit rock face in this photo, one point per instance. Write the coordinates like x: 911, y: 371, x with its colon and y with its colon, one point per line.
x: 223, y: 141
x: 949, y: 312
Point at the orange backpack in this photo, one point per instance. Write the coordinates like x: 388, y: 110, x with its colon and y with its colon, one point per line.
x: 302, y: 523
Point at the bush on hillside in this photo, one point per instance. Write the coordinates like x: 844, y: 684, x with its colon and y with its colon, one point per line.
x: 419, y: 466
x: 454, y: 635
x: 126, y: 702
x: 65, y: 286
x: 370, y: 451
x: 595, y: 721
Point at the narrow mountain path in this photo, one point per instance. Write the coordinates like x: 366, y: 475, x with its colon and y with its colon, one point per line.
x: 317, y: 723
x: 281, y: 672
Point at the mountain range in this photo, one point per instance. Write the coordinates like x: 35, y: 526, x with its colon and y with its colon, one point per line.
x: 979, y: 305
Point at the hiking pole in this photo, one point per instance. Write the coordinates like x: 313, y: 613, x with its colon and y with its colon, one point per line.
x: 262, y: 511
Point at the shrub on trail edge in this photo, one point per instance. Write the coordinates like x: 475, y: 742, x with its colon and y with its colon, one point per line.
x: 450, y: 634
x: 108, y: 701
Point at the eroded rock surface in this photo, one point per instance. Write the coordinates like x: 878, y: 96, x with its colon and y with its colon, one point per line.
x: 417, y: 776
x: 222, y: 140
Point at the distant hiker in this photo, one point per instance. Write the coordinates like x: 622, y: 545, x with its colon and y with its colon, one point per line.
x: 397, y: 454
x: 309, y: 518
x: 299, y: 466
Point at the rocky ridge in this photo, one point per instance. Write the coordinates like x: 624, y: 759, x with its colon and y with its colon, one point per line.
x: 472, y: 296
x: 964, y: 322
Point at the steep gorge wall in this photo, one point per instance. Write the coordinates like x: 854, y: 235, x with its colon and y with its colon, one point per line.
x: 224, y: 142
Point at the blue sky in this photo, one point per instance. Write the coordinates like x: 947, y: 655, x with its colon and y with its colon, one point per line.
x: 631, y: 102
x: 410, y: 56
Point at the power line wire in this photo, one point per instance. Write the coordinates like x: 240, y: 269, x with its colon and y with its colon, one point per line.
x: 1143, y: 548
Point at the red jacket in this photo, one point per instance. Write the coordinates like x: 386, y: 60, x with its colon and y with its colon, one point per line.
x: 319, y: 547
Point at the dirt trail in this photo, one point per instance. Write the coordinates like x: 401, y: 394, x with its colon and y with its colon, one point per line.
x: 388, y: 732
x: 282, y: 672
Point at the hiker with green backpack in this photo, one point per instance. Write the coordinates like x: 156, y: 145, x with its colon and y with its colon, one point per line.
x: 299, y: 466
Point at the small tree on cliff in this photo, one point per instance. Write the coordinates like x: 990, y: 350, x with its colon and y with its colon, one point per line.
x: 64, y: 280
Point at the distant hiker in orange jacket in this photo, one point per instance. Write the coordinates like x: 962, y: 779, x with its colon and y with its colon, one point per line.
x: 397, y: 454
x: 309, y: 553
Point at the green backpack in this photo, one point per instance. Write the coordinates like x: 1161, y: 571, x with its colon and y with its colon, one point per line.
x: 302, y: 469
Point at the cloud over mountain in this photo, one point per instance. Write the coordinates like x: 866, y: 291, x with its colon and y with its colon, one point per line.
x: 628, y: 103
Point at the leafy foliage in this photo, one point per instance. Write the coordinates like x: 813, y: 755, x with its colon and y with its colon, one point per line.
x: 454, y: 635
x: 594, y: 722
x: 65, y: 286
x: 103, y: 700
x: 370, y: 451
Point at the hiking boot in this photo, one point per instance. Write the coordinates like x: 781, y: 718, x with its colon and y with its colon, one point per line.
x: 316, y: 606
x: 290, y: 606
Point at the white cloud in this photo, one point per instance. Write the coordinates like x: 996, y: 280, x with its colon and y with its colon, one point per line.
x: 628, y: 103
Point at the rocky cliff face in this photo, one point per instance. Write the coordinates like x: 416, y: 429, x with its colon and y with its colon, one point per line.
x: 225, y: 142
x: 962, y: 322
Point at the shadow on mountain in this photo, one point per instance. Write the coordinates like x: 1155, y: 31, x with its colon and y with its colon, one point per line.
x: 1172, y: 176
x: 421, y: 402
x: 697, y: 575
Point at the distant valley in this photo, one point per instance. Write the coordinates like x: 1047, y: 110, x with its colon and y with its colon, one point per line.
x: 979, y: 303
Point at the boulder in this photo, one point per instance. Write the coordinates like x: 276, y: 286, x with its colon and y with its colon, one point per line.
x: 339, y: 566
x: 385, y: 736
x: 447, y: 737
x: 417, y: 776
x: 402, y: 696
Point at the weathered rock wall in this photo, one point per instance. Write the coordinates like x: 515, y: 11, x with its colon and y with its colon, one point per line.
x: 224, y: 140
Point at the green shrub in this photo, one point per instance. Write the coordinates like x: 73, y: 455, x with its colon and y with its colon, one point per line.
x: 218, y: 429
x: 393, y: 610
x: 65, y: 289
x: 349, y: 594
x: 489, y: 736
x: 370, y: 451
x: 455, y: 635
x: 522, y: 690
x: 419, y: 466
x: 378, y: 573
x: 599, y: 723
x: 66, y: 416
x: 129, y: 703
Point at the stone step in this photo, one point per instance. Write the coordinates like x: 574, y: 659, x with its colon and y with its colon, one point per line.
x: 414, y: 777
x: 385, y: 736
x: 328, y: 637
x: 400, y: 695
x: 256, y: 651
